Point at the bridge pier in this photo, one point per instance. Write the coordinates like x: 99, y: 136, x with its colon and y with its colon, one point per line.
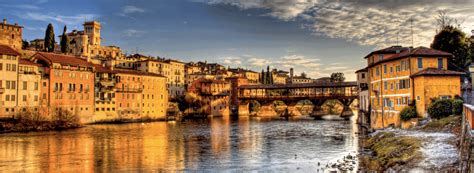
x: 346, y: 111
x: 243, y: 109
x: 292, y: 109
x: 318, y: 111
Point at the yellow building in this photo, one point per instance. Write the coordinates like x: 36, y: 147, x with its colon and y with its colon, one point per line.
x: 175, y: 79
x: 140, y: 95
x: 87, y: 43
x: 104, y: 94
x: 8, y: 80
x: 401, y: 77
x: 29, y: 80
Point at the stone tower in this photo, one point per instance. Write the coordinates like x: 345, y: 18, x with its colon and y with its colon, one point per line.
x: 92, y: 30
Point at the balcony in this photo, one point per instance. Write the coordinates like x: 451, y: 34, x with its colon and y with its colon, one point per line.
x: 129, y: 90
x: 2, y: 90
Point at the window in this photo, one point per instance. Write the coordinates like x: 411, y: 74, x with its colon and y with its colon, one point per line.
x: 391, y: 69
x: 385, y: 85
x: 420, y: 62
x: 385, y: 68
x: 380, y: 57
x: 1, y: 66
x: 13, y: 84
x: 24, y: 98
x: 377, y: 71
x: 440, y: 63
x: 36, y: 85
x: 25, y: 85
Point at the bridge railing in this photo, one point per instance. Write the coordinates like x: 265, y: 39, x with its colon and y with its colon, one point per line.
x: 297, y: 96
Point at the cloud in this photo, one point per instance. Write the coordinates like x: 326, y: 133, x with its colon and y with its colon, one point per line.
x: 232, y: 61
x: 69, y: 20
x: 22, y: 6
x: 133, y: 33
x: 365, y: 22
x: 129, y: 9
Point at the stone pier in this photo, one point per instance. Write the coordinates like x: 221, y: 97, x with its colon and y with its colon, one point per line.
x: 318, y: 111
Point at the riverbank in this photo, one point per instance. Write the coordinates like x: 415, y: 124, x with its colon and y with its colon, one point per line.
x: 15, y: 125
x: 431, y: 147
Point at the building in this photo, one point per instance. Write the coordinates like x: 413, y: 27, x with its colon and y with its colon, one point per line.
x: 141, y: 95
x: 362, y: 87
x: 235, y: 83
x: 252, y: 76
x: 29, y: 80
x: 279, y: 76
x: 175, y: 78
x: 104, y: 94
x: 36, y: 44
x: 11, y: 35
x: 213, y: 96
x: 87, y: 43
x: 8, y: 80
x: 401, y: 77
x: 69, y: 82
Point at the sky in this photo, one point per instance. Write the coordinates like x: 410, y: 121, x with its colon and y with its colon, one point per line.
x: 317, y: 37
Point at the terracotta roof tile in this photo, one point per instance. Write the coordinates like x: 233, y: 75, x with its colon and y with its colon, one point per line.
x: 102, y: 69
x: 63, y: 59
x: 7, y: 50
x: 388, y: 50
x: 436, y: 72
x: 27, y: 62
x: 419, y: 51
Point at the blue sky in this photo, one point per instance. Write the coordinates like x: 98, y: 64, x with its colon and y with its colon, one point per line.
x: 317, y: 37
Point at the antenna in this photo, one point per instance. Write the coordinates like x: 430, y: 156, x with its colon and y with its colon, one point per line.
x: 397, y: 36
x: 411, y: 21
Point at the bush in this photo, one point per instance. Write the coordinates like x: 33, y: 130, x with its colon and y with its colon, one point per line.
x: 440, y: 109
x: 457, y: 106
x: 408, y: 113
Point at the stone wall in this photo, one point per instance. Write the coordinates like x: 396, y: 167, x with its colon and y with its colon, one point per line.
x: 466, y: 142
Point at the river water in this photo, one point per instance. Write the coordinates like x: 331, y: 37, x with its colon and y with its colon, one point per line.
x: 214, y: 145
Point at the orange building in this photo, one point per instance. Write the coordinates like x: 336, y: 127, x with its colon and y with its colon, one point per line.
x: 212, y: 95
x: 70, y: 84
x: 400, y: 77
x: 141, y: 95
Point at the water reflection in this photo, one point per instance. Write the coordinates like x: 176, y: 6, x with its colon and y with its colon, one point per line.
x: 244, y: 144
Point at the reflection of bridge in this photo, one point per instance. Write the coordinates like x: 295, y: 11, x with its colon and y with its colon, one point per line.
x: 318, y: 93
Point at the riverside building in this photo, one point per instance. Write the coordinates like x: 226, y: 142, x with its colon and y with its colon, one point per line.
x: 399, y: 77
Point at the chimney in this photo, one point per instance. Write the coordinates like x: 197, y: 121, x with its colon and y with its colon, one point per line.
x: 4, y: 21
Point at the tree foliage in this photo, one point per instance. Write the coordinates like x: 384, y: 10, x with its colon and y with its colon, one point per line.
x: 450, y: 38
x: 337, y: 77
x: 408, y: 113
x: 457, y: 106
x: 24, y: 44
x: 440, y: 109
x: 64, y: 41
x: 49, y: 39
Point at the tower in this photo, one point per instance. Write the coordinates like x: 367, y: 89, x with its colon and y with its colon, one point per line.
x: 92, y: 30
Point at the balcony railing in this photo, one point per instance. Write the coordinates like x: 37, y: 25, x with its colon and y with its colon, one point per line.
x: 129, y: 90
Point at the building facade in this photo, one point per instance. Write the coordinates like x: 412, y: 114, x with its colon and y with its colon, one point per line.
x: 11, y: 35
x: 213, y: 96
x: 8, y: 81
x: 29, y: 80
x: 398, y: 79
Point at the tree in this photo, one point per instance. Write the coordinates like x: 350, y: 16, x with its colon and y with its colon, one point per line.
x: 337, y: 77
x: 262, y: 77
x: 24, y: 44
x: 450, y: 38
x: 268, y: 78
x: 303, y: 75
x: 49, y: 39
x: 64, y: 41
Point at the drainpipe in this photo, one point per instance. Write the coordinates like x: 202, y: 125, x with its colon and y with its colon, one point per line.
x: 381, y: 95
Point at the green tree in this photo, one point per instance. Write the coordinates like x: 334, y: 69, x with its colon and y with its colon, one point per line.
x: 262, y: 77
x: 49, y: 39
x: 337, y: 77
x: 64, y: 41
x: 450, y: 38
x: 24, y: 44
x: 268, y: 78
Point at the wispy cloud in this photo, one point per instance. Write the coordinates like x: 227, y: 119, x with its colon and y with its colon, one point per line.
x: 21, y: 6
x: 129, y: 9
x: 69, y: 20
x: 364, y: 22
x: 134, y: 33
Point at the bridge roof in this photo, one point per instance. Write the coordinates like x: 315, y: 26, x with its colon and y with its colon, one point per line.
x: 300, y: 85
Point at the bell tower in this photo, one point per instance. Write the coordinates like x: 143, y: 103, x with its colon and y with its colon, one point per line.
x: 92, y: 30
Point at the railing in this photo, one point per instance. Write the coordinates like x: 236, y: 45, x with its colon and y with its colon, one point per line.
x: 296, y: 96
x: 466, y: 142
x: 129, y: 90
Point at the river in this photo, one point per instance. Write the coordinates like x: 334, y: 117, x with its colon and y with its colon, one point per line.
x: 217, y: 144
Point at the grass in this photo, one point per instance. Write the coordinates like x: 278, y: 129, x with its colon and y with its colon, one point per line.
x: 443, y: 124
x: 390, y: 150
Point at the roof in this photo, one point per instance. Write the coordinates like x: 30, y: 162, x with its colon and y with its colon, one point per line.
x: 361, y: 70
x: 102, y: 69
x: 7, y: 50
x: 419, y: 51
x: 63, y: 59
x: 14, y: 25
x: 300, y: 85
x: 204, y: 80
x: 135, y: 72
x: 27, y: 62
x: 436, y: 72
x: 388, y: 50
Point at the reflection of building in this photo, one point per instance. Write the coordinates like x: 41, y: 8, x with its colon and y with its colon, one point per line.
x: 213, y: 96
x: 71, y: 84
x: 8, y: 80
x: 11, y: 35
x: 399, y: 77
